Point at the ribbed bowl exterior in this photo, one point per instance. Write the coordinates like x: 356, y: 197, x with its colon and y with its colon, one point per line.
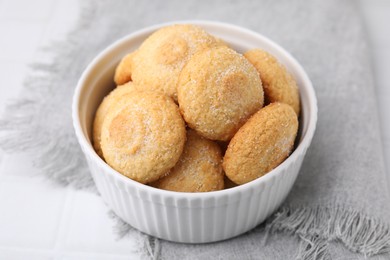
x: 190, y: 217
x: 198, y: 220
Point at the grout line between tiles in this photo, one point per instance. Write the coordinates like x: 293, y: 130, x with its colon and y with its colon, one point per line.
x: 49, y: 253
x: 58, y: 249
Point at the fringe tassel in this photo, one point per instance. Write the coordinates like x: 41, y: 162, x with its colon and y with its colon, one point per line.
x: 315, y: 248
x: 148, y: 247
x: 40, y: 123
x: 317, y: 226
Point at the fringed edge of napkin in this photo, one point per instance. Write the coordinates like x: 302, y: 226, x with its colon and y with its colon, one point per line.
x: 150, y: 246
x: 318, y: 226
x: 24, y: 126
x: 53, y: 146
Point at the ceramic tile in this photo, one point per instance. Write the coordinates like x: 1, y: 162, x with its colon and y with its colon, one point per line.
x: 66, y: 11
x: 90, y: 229
x: 78, y: 256
x: 20, y: 254
x: 56, y: 31
x: 37, y: 10
x: 13, y: 170
x: 11, y: 81
x: 64, y: 17
x: 30, y: 213
x: 19, y: 40
x: 2, y: 154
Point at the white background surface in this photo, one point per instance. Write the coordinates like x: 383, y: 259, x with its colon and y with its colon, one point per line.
x: 40, y: 220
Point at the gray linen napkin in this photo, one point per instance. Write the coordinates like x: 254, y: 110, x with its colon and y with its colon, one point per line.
x: 339, y: 207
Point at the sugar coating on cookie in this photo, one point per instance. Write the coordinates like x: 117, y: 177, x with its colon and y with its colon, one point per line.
x: 143, y: 135
x: 103, y: 109
x: 199, y: 168
x: 260, y: 145
x: 279, y: 85
x: 124, y: 69
x: 218, y: 90
x: 162, y: 56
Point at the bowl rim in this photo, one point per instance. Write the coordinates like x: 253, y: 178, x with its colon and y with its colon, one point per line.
x: 301, y: 148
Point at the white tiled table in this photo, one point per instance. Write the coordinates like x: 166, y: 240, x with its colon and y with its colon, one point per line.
x: 40, y: 220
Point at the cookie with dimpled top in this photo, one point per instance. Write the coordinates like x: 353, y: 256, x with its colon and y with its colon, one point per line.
x: 143, y: 135
x: 103, y: 109
x: 218, y: 90
x: 260, y: 145
x: 161, y: 57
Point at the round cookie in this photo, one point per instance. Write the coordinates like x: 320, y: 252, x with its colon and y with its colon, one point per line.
x: 124, y: 69
x: 199, y: 168
x: 279, y: 85
x: 218, y: 90
x: 143, y: 135
x: 103, y: 109
x: 260, y: 145
x: 162, y: 56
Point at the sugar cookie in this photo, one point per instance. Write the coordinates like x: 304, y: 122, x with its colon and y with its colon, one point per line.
x: 162, y: 56
x: 124, y: 70
x: 199, y: 168
x: 260, y: 145
x: 218, y: 90
x: 279, y: 85
x: 102, y: 111
x: 143, y: 137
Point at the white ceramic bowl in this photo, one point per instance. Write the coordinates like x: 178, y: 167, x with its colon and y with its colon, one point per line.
x: 190, y: 217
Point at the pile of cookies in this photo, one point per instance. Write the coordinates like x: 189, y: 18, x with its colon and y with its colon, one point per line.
x: 191, y: 114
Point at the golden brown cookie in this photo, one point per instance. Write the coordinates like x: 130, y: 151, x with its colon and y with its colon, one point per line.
x: 124, y: 70
x: 162, y: 56
x: 103, y: 109
x: 279, y: 85
x: 261, y: 144
x: 198, y: 170
x: 228, y: 183
x: 218, y: 90
x: 143, y: 136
